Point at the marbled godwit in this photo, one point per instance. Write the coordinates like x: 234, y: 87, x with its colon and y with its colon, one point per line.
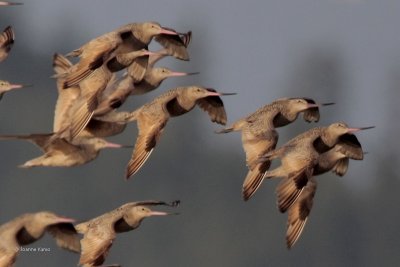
x: 30, y: 227
x: 59, y: 152
x: 153, y: 116
x: 259, y: 135
x: 335, y: 159
x: 100, y: 232
x: 128, y: 38
x: 300, y: 156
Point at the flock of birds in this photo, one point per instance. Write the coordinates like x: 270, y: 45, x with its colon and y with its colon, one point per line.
x: 89, y: 94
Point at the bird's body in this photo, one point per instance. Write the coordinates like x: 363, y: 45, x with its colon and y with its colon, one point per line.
x: 28, y: 228
x: 7, y: 38
x: 259, y: 135
x: 100, y: 232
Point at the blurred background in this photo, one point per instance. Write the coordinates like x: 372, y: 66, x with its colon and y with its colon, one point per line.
x: 343, y: 51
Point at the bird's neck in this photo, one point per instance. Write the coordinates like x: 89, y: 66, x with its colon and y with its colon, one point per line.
x: 328, y: 159
x: 152, y: 79
x: 34, y: 231
x: 141, y: 35
x: 186, y: 101
x: 289, y: 114
x: 329, y: 139
x: 129, y: 222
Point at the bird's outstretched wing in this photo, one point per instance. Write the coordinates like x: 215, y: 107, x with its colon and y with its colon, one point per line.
x: 175, y: 45
x: 66, y: 236
x: 214, y: 106
x: 298, y: 213
x: 149, y: 134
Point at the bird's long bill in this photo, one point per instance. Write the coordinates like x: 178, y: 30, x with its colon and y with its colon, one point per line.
x: 328, y: 104
x: 353, y: 130
x: 161, y: 213
x: 227, y: 93
x: 177, y: 74
x: 312, y: 105
x: 65, y: 220
x: 168, y: 31
x: 113, y: 145
x: 16, y: 86
x: 315, y: 105
x: 219, y: 94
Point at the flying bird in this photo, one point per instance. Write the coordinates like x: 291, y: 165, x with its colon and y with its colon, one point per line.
x: 99, y: 233
x: 58, y: 152
x: 299, y: 157
x: 30, y: 227
x: 335, y: 160
x: 259, y: 134
x: 152, y: 117
x: 128, y: 38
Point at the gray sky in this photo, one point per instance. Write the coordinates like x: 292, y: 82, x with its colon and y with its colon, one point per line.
x: 343, y: 51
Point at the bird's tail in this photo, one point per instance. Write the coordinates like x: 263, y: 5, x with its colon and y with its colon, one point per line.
x: 341, y: 167
x: 81, y: 228
x: 237, y: 126
x: 60, y: 63
x: 32, y: 163
x: 41, y: 140
x: 74, y: 53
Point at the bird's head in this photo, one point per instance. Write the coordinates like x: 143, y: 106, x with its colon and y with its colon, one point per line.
x: 196, y: 92
x: 154, y: 28
x: 7, y: 86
